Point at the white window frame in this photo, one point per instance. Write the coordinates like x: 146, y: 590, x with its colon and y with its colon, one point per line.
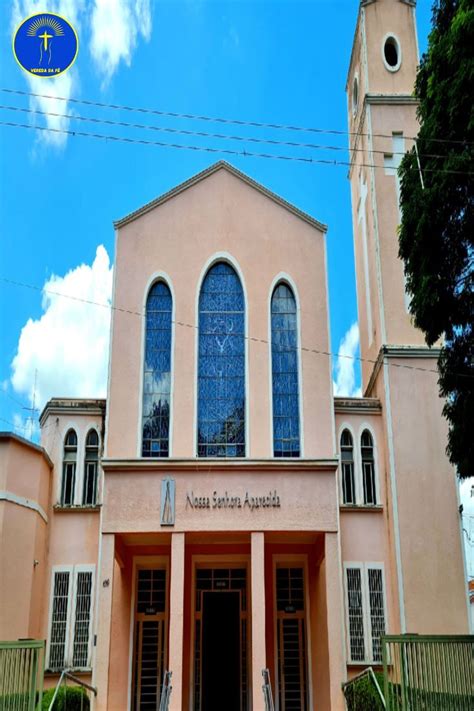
x: 73, y: 571
x: 366, y: 617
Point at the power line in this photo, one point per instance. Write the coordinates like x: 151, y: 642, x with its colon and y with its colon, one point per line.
x: 215, y: 119
x: 205, y: 134
x: 225, y: 151
x: 253, y: 339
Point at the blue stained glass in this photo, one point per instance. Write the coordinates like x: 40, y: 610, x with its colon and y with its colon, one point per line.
x: 286, y: 426
x: 157, y: 372
x: 221, y: 364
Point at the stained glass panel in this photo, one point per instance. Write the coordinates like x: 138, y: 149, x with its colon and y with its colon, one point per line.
x: 286, y: 424
x: 221, y: 368
x: 157, y: 372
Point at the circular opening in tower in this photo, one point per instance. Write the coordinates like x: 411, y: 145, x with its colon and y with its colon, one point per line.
x: 391, y: 53
x: 355, y: 96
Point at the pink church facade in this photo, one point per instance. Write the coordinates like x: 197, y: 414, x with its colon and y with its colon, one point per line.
x: 221, y: 512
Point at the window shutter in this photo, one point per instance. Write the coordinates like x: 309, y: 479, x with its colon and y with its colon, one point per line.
x: 59, y: 619
x: 377, y: 610
x: 80, y: 656
x: 356, y: 614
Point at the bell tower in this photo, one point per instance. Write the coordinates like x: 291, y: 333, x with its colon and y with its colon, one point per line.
x: 382, y: 124
x: 397, y: 366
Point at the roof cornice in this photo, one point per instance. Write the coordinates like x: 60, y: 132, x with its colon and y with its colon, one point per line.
x: 197, y: 466
x: 394, y: 351
x: 365, y: 405
x: 220, y: 165
x: 78, y: 406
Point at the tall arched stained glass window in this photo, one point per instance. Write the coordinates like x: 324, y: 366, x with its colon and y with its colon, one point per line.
x: 286, y: 416
x: 221, y: 369
x: 157, y: 372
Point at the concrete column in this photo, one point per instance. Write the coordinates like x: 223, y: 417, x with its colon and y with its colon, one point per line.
x: 259, y: 658
x: 105, y: 582
x: 175, y: 664
x: 335, y: 622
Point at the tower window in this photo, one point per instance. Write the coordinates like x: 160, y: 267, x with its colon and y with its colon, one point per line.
x: 69, y: 469
x: 368, y: 469
x: 355, y: 95
x: 347, y: 467
x: 391, y: 53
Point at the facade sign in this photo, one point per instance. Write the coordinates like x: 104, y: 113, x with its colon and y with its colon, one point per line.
x: 231, y: 501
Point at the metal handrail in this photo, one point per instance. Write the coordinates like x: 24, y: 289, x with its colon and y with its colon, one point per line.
x: 166, y: 691
x: 370, y: 673
x: 66, y: 674
x: 267, y: 691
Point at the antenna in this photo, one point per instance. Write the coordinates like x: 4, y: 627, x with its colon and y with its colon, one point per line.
x: 32, y: 409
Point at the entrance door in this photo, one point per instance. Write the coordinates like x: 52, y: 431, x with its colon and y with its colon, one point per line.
x: 221, y: 651
x: 150, y: 639
x: 220, y: 674
x: 291, y: 639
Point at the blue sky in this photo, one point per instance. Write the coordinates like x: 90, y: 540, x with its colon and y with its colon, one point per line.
x: 274, y: 61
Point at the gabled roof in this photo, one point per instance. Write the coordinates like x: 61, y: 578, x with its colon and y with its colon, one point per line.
x: 220, y: 165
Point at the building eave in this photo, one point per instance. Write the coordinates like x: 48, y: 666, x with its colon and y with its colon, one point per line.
x: 357, y: 405
x: 5, y: 436
x: 220, y: 165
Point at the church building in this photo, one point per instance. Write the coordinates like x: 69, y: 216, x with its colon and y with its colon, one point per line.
x: 221, y: 512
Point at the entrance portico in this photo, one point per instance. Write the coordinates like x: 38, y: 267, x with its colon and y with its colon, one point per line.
x: 221, y: 592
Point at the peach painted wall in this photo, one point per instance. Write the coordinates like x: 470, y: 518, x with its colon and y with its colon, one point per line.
x: 430, y: 538
x: 220, y: 214
x: 26, y: 473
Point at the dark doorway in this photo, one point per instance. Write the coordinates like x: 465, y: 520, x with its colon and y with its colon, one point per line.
x: 221, y: 652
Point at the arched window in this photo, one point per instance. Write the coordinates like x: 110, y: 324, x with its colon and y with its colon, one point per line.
x: 91, y: 464
x: 69, y: 469
x: 221, y: 368
x: 285, y: 390
x: 157, y: 373
x: 347, y: 468
x: 368, y: 468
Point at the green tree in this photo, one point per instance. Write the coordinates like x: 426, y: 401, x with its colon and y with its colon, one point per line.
x: 436, y: 238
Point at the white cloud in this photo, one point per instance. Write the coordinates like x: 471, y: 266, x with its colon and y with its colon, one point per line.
x: 68, y: 345
x: 344, y: 384
x: 116, y: 26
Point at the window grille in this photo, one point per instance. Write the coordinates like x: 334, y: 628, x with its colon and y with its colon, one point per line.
x: 71, y: 610
x: 356, y: 614
x: 377, y: 611
x: 69, y: 469
x: 368, y: 468
x: 80, y: 657
x: 292, y: 689
x: 59, y: 619
x: 91, y: 464
x: 285, y: 386
x: 221, y: 368
x: 347, y: 467
x: 366, y: 612
x: 157, y: 372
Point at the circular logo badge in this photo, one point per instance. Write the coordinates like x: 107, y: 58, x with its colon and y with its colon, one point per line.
x: 45, y: 45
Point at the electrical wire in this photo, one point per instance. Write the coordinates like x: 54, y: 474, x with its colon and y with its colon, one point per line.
x: 253, y: 339
x: 225, y: 151
x: 215, y: 119
x: 204, y: 134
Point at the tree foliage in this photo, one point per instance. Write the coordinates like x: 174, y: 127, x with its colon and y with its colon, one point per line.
x: 436, y: 239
